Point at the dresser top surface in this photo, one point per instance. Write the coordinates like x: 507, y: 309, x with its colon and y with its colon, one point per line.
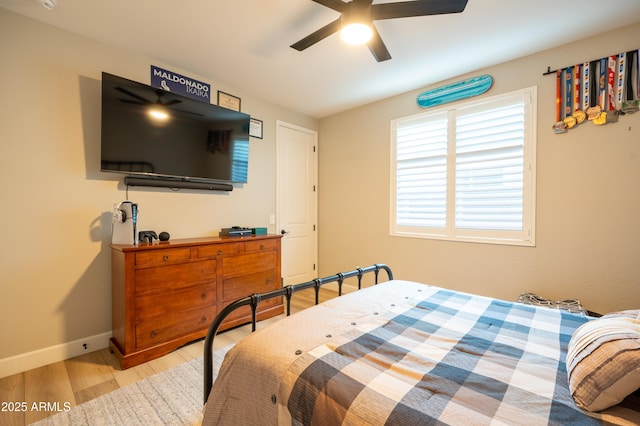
x: 186, y: 242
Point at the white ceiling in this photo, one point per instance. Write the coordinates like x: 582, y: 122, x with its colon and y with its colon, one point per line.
x: 245, y: 43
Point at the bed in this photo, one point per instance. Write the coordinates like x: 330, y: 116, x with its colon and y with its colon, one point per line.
x: 401, y: 353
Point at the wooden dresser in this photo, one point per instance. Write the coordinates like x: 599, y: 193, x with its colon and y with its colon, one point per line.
x: 166, y: 294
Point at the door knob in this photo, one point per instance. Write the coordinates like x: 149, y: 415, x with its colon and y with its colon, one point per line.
x: 283, y: 232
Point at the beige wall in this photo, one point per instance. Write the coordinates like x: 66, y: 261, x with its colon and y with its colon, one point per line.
x: 588, y: 203
x: 55, y: 276
x: 55, y: 263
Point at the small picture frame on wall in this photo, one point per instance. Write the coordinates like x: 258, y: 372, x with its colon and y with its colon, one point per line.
x: 255, y: 128
x: 228, y: 101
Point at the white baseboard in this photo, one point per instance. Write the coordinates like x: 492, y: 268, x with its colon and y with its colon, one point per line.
x: 38, y: 358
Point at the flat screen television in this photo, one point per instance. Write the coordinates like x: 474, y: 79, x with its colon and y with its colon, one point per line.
x: 158, y: 134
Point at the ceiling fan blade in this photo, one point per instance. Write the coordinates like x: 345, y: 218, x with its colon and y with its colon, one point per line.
x: 133, y: 95
x: 129, y: 101
x: 337, y: 5
x: 318, y: 35
x: 377, y: 47
x: 405, y: 9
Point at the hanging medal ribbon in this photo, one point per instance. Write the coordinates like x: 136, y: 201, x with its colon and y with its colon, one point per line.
x: 568, y: 119
x: 593, y: 110
x: 559, y: 126
x: 568, y: 91
x: 636, y: 78
x: 586, y: 85
x: 558, y: 96
x: 622, y: 65
x: 611, y: 77
x: 631, y: 58
x: 602, y: 83
x: 578, y: 114
x: 630, y: 101
x: 576, y: 88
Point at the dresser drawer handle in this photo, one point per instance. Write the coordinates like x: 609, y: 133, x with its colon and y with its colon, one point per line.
x: 154, y: 333
x: 261, y: 247
x: 267, y: 281
x: 203, y: 319
x: 165, y: 258
x: 219, y: 251
x: 203, y: 296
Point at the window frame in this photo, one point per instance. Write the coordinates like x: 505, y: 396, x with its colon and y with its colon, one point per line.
x: 524, y: 237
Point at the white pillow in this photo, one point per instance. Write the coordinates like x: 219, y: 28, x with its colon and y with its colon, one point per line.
x: 633, y: 313
x: 603, y: 360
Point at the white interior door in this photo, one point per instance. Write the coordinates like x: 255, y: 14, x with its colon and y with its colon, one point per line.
x: 297, y: 201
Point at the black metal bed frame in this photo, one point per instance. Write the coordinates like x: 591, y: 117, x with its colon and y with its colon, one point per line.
x: 286, y: 291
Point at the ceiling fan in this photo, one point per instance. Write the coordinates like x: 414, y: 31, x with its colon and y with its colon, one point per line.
x: 364, y: 13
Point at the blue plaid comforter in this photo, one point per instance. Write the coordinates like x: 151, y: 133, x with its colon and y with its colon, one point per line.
x: 449, y: 358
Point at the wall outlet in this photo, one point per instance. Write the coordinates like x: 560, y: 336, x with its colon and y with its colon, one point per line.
x: 272, y: 219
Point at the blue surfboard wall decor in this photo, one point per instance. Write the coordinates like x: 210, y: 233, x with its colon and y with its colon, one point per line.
x: 453, y: 92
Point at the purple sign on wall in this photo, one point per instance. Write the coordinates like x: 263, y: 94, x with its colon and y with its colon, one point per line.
x: 176, y: 83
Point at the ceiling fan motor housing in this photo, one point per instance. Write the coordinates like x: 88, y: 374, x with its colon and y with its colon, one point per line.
x: 356, y: 13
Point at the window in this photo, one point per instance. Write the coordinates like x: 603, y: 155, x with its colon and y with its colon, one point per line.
x: 467, y: 173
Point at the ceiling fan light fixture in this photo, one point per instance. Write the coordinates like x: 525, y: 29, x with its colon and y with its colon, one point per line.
x: 356, y: 33
x: 158, y: 113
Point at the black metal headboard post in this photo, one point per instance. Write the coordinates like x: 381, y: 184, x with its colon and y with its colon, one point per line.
x: 286, y: 291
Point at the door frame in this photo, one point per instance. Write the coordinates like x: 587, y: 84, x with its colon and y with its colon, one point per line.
x: 280, y: 124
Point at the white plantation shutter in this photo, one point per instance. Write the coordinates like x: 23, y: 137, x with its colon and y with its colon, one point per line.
x: 422, y: 172
x: 489, y: 168
x: 467, y: 173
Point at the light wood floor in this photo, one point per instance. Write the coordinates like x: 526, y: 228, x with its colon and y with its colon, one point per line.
x: 91, y: 375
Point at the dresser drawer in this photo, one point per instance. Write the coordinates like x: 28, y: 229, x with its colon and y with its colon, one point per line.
x: 233, y: 266
x: 157, y: 304
x: 235, y: 288
x: 219, y: 250
x: 175, y: 276
x: 173, y: 325
x: 162, y: 257
x: 239, y: 287
x: 259, y: 245
x: 243, y: 315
